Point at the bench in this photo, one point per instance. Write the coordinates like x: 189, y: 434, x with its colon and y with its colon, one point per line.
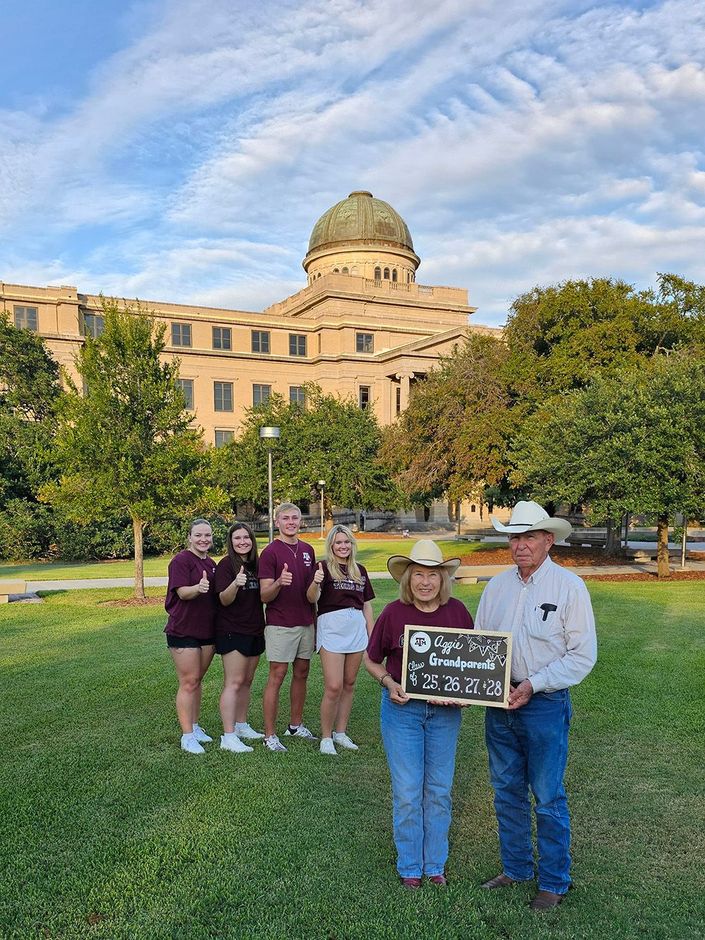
x: 8, y: 587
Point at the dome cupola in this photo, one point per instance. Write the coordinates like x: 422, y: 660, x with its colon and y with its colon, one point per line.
x: 364, y: 236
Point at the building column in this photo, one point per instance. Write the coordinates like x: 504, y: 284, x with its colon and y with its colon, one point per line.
x: 405, y: 379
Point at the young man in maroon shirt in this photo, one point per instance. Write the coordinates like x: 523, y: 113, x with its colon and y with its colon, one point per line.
x: 286, y: 569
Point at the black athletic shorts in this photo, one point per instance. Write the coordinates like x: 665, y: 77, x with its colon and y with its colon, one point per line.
x: 244, y: 643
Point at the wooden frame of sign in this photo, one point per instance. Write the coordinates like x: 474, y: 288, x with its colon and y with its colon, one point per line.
x: 457, y: 665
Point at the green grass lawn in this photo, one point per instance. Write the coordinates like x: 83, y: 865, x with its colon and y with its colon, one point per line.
x: 373, y: 554
x: 108, y: 830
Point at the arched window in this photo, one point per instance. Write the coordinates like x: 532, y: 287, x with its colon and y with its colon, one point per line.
x: 386, y: 274
x: 378, y: 274
x: 345, y: 271
x: 394, y: 274
x: 336, y: 271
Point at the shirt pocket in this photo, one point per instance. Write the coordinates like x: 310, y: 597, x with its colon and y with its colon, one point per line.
x: 544, y: 623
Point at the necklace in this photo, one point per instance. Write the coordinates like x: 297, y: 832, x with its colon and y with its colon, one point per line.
x: 294, y: 551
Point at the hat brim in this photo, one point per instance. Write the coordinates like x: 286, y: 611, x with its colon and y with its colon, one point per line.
x: 561, y: 528
x: 397, y: 565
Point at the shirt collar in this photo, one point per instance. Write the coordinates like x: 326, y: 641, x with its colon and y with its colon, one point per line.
x: 539, y: 574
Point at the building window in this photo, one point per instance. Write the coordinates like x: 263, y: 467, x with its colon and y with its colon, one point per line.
x: 261, y: 394
x: 223, y: 396
x: 345, y: 271
x: 398, y: 399
x: 386, y: 274
x: 26, y: 318
x: 222, y: 337
x: 364, y: 342
x: 297, y: 344
x: 336, y: 271
x: 260, y: 341
x: 297, y: 395
x: 93, y: 324
x: 394, y: 274
x: 186, y: 386
x: 223, y: 437
x: 180, y: 334
x: 364, y: 396
x: 378, y: 274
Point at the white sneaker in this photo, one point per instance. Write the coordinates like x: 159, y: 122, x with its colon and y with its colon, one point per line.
x: 272, y: 743
x: 300, y: 732
x: 190, y: 744
x: 327, y: 746
x: 342, y: 740
x: 231, y: 742
x: 247, y: 732
x: 200, y: 735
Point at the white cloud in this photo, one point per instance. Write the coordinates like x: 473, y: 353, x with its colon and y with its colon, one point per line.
x: 522, y: 141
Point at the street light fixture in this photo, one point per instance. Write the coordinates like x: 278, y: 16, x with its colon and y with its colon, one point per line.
x: 270, y: 436
x: 321, y: 484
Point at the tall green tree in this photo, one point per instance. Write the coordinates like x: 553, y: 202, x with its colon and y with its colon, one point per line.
x: 30, y: 392
x: 125, y: 443
x: 633, y: 442
x: 453, y: 437
x: 560, y: 337
x: 330, y: 439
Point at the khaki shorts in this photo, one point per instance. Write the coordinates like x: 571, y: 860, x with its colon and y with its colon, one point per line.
x: 285, y: 644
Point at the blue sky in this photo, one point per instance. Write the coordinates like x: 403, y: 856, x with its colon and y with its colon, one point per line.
x: 182, y: 150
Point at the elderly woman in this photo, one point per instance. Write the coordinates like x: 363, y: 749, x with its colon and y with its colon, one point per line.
x: 420, y: 737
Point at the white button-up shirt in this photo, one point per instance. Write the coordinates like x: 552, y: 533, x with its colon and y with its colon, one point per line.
x: 550, y: 616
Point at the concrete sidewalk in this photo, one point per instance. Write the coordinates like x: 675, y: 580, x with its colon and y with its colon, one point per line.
x: 477, y: 572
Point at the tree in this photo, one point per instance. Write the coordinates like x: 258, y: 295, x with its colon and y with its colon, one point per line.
x: 331, y: 438
x: 561, y: 337
x: 126, y: 445
x: 629, y: 442
x: 453, y: 436
x: 29, y: 395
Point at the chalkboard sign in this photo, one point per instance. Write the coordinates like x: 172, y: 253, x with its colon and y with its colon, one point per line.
x: 463, y: 665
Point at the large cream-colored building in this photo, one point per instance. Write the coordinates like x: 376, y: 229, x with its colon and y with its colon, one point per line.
x: 362, y: 326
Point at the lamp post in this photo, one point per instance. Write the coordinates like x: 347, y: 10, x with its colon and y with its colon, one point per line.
x: 321, y: 484
x: 270, y: 436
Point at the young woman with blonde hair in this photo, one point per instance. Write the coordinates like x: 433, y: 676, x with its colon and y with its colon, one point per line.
x: 342, y: 590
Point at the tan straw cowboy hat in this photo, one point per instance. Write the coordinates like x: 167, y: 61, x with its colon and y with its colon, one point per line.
x: 424, y: 552
x: 528, y: 516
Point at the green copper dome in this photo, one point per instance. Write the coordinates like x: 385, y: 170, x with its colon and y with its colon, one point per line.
x: 360, y: 218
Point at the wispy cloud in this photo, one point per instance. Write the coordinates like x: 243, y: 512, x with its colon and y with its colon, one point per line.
x: 523, y: 142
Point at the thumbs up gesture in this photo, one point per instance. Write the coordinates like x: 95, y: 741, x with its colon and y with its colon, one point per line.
x: 241, y: 578
x: 204, y: 584
x: 318, y: 574
x: 286, y: 577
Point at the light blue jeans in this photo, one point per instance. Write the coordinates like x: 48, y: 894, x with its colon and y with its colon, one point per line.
x: 420, y: 742
x: 528, y: 748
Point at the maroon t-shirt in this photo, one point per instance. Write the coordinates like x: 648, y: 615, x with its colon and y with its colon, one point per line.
x: 245, y: 614
x: 195, y: 617
x: 388, y: 634
x: 337, y: 595
x: 290, y: 607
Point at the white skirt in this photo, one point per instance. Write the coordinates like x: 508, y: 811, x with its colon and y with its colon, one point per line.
x: 342, y: 631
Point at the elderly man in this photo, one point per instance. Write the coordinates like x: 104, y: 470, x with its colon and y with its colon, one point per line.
x: 549, y: 613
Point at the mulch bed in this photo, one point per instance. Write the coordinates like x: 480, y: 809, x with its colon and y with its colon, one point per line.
x: 134, y: 602
x: 578, y: 557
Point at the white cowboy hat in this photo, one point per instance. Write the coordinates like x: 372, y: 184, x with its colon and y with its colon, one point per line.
x: 424, y: 552
x: 528, y: 516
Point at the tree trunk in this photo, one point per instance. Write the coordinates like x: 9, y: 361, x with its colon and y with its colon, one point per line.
x: 663, y: 567
x: 613, y: 538
x: 137, y: 526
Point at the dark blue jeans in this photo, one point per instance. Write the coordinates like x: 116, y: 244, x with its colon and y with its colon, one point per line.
x: 528, y: 748
x: 420, y: 742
